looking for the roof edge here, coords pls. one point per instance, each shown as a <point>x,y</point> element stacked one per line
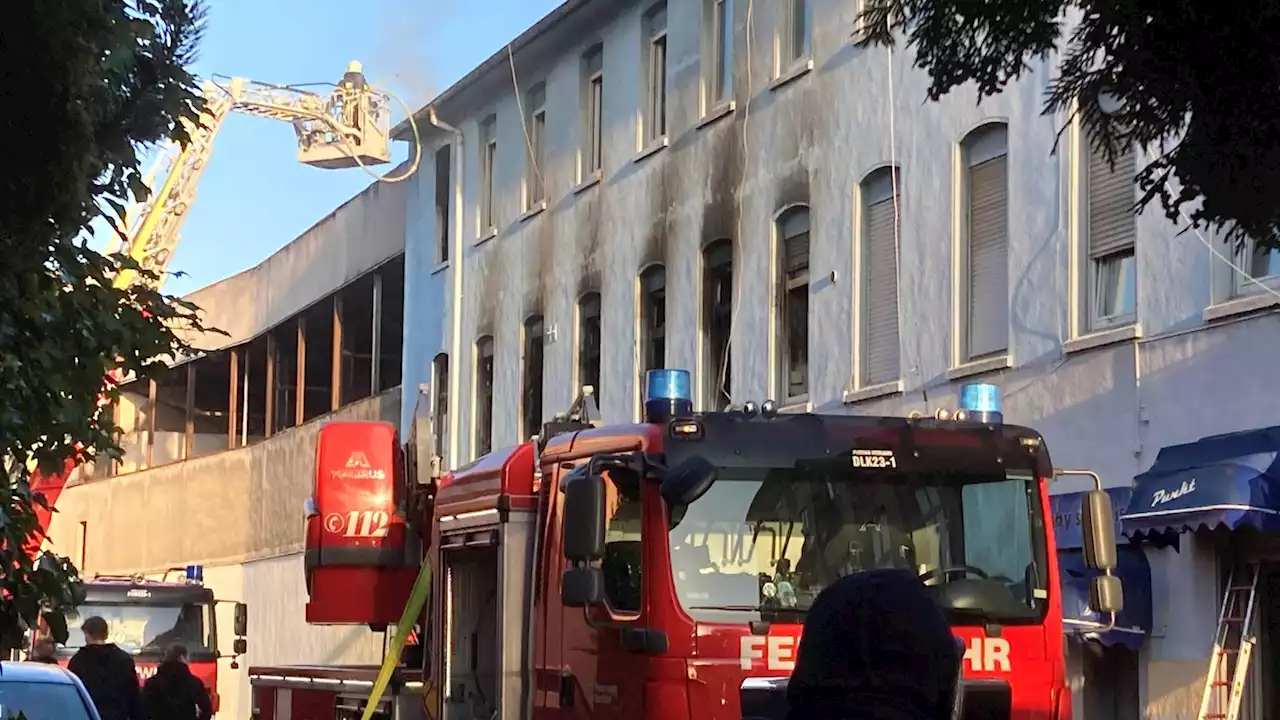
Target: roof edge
<point>403,131</point>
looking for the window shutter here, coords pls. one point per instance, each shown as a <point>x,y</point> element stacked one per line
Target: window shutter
<point>1112,224</point>
<point>797,260</point>
<point>881,355</point>
<point>988,321</point>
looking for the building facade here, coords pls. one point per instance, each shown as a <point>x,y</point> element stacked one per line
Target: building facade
<point>737,188</point>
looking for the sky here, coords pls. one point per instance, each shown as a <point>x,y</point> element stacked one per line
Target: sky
<point>254,196</point>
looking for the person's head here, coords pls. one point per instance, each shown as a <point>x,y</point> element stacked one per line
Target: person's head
<point>176,654</point>
<point>43,649</point>
<point>95,630</point>
<point>875,647</point>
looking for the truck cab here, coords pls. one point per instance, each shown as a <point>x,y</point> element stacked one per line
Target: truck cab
<point>146,616</point>
<point>665,568</point>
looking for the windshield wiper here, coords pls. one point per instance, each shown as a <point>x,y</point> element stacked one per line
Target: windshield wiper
<point>729,608</point>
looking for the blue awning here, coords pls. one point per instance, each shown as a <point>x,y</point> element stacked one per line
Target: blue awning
<point>1067,513</point>
<point>1133,623</point>
<point>1224,480</point>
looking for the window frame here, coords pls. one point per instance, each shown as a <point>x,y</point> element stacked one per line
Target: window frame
<point>488,175</point>
<point>710,395</point>
<point>789,55</point>
<point>529,342</point>
<point>482,343</point>
<point>971,144</point>
<point>440,402</point>
<point>535,181</point>
<point>1086,266</point>
<point>444,203</point>
<point>590,149</point>
<point>717,38</point>
<point>653,121</point>
<point>868,197</point>
<point>580,329</point>
<point>784,287</point>
<point>1244,258</point>
<point>650,330</point>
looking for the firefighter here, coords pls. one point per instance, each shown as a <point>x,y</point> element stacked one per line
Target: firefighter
<point>173,693</point>
<point>108,673</point>
<point>875,647</point>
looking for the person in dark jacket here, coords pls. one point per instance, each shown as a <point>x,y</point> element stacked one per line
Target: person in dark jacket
<point>108,673</point>
<point>173,693</point>
<point>875,647</point>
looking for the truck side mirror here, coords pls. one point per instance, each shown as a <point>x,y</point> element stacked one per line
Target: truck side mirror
<point>1099,529</point>
<point>240,646</point>
<point>688,481</point>
<point>309,508</point>
<point>241,623</point>
<point>584,517</point>
<point>1106,596</point>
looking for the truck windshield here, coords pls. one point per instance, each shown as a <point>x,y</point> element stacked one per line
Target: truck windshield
<point>766,541</point>
<point>145,629</point>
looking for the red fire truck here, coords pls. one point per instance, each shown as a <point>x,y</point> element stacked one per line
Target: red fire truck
<point>146,616</point>
<point>663,569</point>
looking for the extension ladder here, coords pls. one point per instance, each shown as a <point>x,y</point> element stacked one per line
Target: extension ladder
<point>1232,646</point>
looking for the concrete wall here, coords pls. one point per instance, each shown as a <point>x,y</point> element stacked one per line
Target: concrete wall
<point>235,506</point>
<point>1107,402</point>
<point>360,234</point>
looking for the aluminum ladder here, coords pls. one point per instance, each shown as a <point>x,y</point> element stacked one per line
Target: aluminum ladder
<point>1232,646</point>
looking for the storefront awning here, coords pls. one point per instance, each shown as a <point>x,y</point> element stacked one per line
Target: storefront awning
<point>1134,621</point>
<point>1224,480</point>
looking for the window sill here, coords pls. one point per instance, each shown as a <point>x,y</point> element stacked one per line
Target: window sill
<point>440,267</point>
<point>717,112</point>
<point>798,69</point>
<point>487,235</point>
<point>1241,305</point>
<point>871,392</point>
<point>1102,338</point>
<point>796,406</point>
<point>980,367</point>
<point>533,211</point>
<point>587,183</point>
<point>653,148</point>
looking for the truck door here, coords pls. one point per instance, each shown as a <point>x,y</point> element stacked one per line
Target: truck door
<point>609,682</point>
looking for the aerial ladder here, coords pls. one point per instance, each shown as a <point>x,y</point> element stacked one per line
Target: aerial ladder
<point>345,127</point>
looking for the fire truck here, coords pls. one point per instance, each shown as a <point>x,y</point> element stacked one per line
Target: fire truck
<point>146,616</point>
<point>664,569</point>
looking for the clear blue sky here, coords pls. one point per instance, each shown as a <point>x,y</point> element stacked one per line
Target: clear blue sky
<point>254,196</point>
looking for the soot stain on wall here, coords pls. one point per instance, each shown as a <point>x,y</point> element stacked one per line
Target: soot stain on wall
<point>720,213</point>
<point>588,227</point>
<point>663,189</point>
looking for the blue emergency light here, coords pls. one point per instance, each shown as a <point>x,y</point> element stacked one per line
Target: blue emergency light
<point>667,395</point>
<point>981,402</point>
<point>195,574</point>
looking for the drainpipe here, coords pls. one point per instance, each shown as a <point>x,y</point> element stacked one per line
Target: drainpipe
<point>455,274</point>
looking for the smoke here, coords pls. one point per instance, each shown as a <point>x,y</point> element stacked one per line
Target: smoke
<point>402,62</point>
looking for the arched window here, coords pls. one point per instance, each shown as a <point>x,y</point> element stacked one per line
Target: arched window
<point>793,302</point>
<point>717,314</point>
<point>984,280</point>
<point>589,342</point>
<point>483,423</point>
<point>879,353</point>
<point>531,397</point>
<point>440,401</point>
<point>653,318</point>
